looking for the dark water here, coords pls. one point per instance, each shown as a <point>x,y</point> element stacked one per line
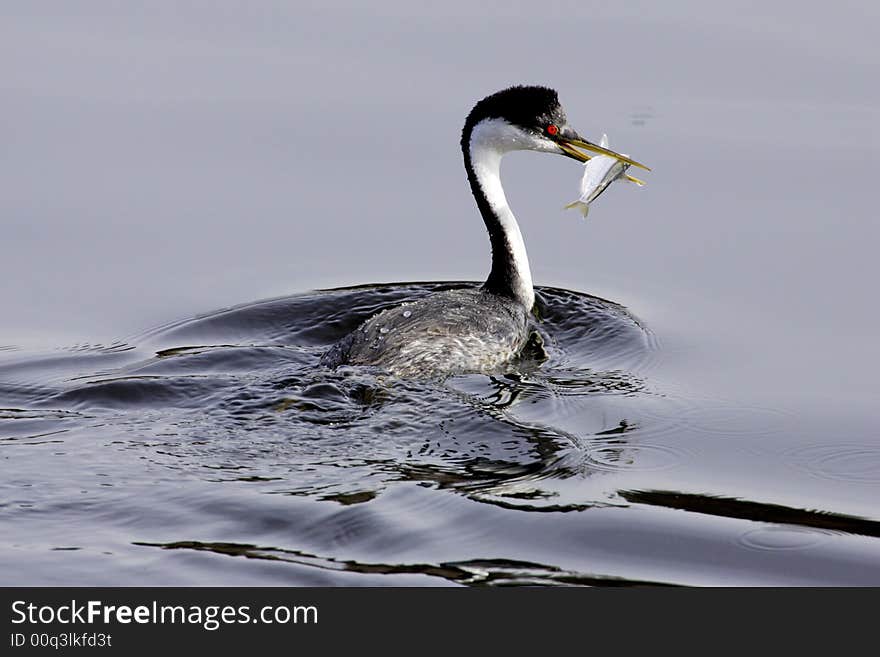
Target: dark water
<point>161,160</point>
<point>215,450</point>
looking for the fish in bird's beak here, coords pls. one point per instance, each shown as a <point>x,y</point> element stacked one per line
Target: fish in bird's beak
<point>568,139</point>
<point>599,172</point>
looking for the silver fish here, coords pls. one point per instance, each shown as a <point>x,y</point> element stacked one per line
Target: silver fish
<point>599,172</point>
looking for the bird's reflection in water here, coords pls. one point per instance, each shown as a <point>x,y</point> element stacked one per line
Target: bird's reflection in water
<point>557,454</point>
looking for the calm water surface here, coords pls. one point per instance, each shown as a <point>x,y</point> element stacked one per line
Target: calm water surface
<point>706,409</point>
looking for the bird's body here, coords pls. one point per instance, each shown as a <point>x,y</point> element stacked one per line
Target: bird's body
<point>450,332</point>
<point>475,330</point>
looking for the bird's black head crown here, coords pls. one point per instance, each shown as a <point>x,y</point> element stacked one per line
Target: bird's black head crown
<point>528,107</point>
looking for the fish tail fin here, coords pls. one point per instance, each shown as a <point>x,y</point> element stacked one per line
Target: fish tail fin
<point>583,207</point>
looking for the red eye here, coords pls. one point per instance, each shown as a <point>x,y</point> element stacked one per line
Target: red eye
<point>552,130</point>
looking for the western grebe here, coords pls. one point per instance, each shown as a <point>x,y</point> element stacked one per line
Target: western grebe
<point>482,329</point>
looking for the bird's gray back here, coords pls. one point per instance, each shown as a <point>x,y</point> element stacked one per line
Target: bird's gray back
<point>453,331</point>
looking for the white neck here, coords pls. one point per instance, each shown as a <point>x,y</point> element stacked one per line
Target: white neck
<point>489,141</point>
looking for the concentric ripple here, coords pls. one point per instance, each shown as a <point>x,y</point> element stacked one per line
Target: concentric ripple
<point>783,538</point>
<point>642,456</point>
<point>853,463</point>
<point>241,386</point>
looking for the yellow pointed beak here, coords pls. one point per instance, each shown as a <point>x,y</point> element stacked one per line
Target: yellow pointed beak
<point>568,147</point>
